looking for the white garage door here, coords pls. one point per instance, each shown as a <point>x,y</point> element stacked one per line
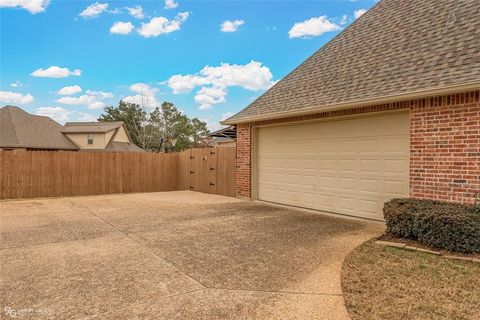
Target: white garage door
<point>349,166</point>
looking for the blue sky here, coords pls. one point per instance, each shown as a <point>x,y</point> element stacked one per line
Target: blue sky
<point>67,59</point>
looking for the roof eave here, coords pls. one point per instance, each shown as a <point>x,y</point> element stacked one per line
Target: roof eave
<point>425,93</point>
<point>11,146</point>
<point>88,131</point>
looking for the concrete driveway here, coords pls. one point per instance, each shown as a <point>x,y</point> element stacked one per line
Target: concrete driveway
<point>172,255</point>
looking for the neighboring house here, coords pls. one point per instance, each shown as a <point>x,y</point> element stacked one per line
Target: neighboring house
<point>388,108</point>
<point>100,136</point>
<point>22,130</point>
<point>219,142</point>
<point>225,137</point>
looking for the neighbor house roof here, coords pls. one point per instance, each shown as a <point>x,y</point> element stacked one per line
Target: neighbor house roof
<point>117,146</point>
<point>399,49</point>
<point>20,129</point>
<point>91,127</point>
<point>227,132</point>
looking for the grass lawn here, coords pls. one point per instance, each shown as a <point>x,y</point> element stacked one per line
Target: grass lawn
<point>388,283</point>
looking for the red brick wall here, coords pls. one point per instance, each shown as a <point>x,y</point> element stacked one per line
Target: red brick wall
<point>445,145</point>
<point>445,148</point>
<point>244,153</point>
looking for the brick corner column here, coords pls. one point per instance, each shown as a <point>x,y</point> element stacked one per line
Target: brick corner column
<point>244,161</point>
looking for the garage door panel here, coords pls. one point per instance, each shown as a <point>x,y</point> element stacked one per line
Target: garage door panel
<point>369,207</point>
<point>349,166</point>
<point>396,144</point>
<point>396,188</point>
<point>370,185</point>
<point>369,166</point>
<point>327,163</point>
<point>395,166</point>
<point>368,145</point>
<point>347,183</point>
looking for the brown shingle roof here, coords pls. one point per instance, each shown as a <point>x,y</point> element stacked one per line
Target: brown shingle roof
<point>20,129</point>
<point>123,147</point>
<point>396,48</point>
<point>86,127</point>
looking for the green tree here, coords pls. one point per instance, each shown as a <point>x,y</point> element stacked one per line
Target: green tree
<point>170,123</point>
<point>136,119</point>
<point>198,130</point>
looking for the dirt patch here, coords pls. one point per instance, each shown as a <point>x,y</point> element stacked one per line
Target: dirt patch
<point>387,283</point>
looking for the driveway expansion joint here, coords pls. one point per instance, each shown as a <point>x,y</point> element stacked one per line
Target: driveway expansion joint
<point>280,292</point>
<point>141,244</point>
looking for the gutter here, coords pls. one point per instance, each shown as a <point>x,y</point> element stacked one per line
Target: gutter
<point>358,103</point>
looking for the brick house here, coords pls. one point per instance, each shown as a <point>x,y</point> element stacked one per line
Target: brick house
<point>388,108</point>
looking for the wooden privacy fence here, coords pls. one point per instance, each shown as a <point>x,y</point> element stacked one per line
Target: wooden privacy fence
<point>209,170</point>
<point>32,174</point>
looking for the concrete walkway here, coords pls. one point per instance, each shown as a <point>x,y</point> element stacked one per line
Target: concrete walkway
<point>172,255</point>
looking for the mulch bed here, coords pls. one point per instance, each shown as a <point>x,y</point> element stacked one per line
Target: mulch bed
<point>414,243</point>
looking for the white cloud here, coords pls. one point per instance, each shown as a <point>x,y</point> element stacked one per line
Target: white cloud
<point>32,6</point>
<point>208,96</point>
<point>161,25</point>
<point>231,25</point>
<point>101,94</point>
<point>185,83</point>
<point>62,115</point>
<point>15,97</point>
<point>94,10</point>
<point>84,117</point>
<point>16,84</point>
<point>227,115</point>
<point>92,99</point>
<point>312,28</point>
<point>115,11</point>
<point>344,20</point>
<point>69,90</point>
<point>55,72</point>
<point>121,28</point>
<point>170,4</point>
<point>145,96</point>
<point>214,81</point>
<point>136,12</point>
<point>143,88</point>
<point>358,13</point>
<point>58,114</point>
<point>252,76</point>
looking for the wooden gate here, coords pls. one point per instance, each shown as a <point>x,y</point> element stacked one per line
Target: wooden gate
<point>209,170</point>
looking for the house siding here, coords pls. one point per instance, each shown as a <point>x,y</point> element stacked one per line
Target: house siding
<point>444,145</point>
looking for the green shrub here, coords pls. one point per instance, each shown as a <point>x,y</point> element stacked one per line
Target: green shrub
<point>450,226</point>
